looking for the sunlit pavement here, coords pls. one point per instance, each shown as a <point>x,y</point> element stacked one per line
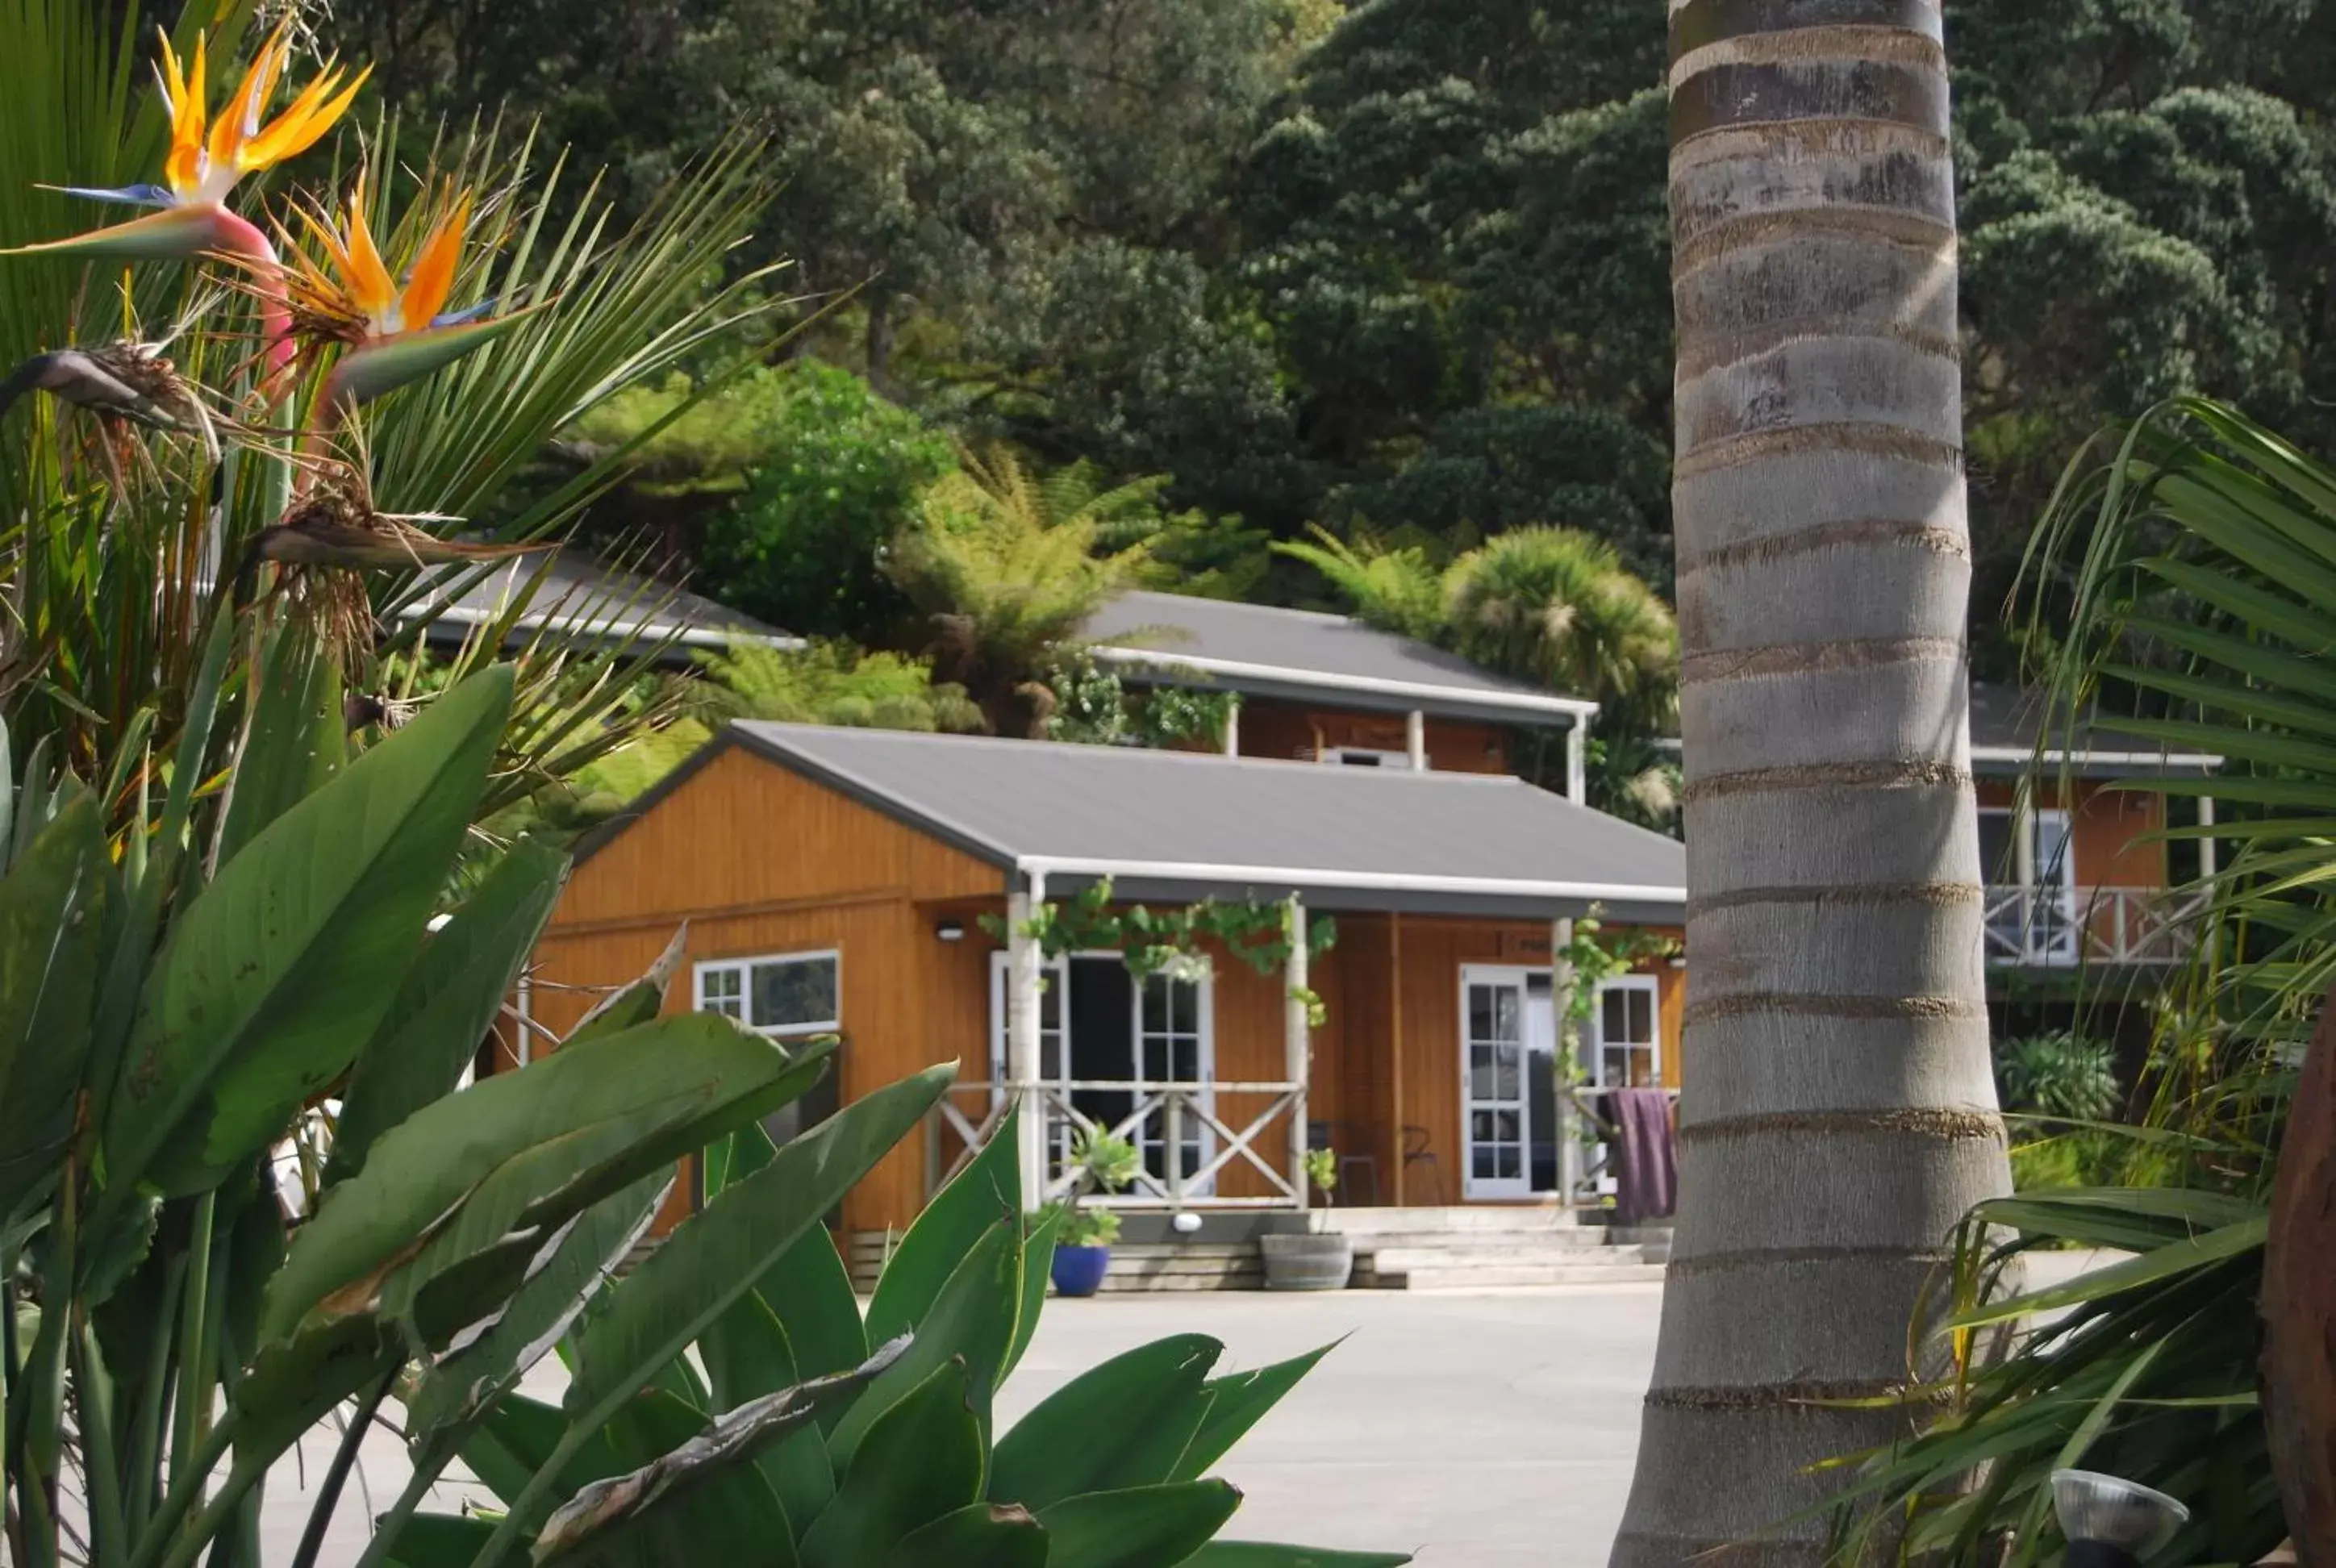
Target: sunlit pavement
<point>1483,1430</point>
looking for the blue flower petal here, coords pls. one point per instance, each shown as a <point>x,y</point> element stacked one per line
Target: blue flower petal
<point>127,196</point>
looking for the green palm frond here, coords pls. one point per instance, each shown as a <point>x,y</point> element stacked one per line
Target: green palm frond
<point>1396,589</point>
<point>1007,578</point>
<point>2183,576</point>
<point>1557,606</point>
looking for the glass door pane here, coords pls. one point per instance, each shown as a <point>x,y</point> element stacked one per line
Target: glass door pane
<point>1495,1118</point>
<point>1172,1049</point>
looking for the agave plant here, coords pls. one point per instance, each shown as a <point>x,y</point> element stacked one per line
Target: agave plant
<point>2196,559</point>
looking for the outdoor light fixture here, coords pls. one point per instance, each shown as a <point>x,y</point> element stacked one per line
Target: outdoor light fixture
<point>950,931</point>
<point>1186,1223</point>
<point>2112,1524</point>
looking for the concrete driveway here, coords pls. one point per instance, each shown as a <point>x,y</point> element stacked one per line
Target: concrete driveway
<point>1481,1430</point>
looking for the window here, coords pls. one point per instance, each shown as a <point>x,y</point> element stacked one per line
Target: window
<point>1630,1053</point>
<point>785,994</point>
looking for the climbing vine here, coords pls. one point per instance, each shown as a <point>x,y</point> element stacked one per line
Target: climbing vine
<point>1168,941</point>
<point>1592,962</point>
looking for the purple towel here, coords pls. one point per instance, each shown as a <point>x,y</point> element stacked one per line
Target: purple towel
<point>1646,1177</point>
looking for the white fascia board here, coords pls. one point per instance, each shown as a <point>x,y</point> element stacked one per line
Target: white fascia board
<point>1416,690</point>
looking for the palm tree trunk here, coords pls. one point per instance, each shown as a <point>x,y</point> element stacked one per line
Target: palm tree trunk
<point>1838,1112</point>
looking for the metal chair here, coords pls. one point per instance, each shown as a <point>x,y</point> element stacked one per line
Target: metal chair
<point>1416,1151</point>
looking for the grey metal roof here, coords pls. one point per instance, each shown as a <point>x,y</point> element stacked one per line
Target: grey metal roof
<point>1176,825</point>
<point>582,598</point>
<point>2008,723</point>
<point>1263,651</point>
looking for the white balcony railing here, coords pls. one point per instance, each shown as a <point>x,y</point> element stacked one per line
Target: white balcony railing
<point>2065,928</point>
<point>1159,1118</point>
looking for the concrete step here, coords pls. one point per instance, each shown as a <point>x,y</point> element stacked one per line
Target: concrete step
<point>1504,1218</point>
<point>1576,1239</point>
<point>1451,1278</point>
<point>1409,1260</point>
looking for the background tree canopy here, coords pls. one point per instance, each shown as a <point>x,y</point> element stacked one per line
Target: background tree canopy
<point>1404,264</point>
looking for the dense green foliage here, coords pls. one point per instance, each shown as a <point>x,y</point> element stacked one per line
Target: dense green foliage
<point>780,486</point>
<point>1407,261</point>
<point>2203,561</point>
<point>1552,607</point>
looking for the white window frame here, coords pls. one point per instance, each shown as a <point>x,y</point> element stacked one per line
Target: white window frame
<point>743,968</point>
<point>2058,939</point>
<point>1651,986</point>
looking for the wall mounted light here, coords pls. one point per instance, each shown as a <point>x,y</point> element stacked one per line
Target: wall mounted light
<point>950,931</point>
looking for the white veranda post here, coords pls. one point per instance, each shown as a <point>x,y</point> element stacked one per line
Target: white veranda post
<point>1577,760</point>
<point>1561,1007</point>
<point>1297,1040</point>
<point>1025,969</point>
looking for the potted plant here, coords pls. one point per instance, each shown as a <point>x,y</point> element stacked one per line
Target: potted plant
<point>1313,1258</point>
<point>1099,1163</point>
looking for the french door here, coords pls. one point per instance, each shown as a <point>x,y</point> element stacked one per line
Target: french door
<point>1507,1044</point>
<point>1098,1027</point>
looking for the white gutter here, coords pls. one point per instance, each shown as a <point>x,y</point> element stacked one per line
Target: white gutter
<point>646,631</point>
<point>1043,866</point>
<point>1413,690</point>
<point>2017,754</point>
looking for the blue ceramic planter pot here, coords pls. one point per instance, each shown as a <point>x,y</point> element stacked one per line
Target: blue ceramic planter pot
<point>1079,1270</point>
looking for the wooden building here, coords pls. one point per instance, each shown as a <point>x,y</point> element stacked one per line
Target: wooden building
<point>1313,687</point>
<point>853,881</point>
<point>2080,875</point>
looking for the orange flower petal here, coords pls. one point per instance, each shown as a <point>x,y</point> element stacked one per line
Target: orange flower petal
<point>305,122</point>
<point>435,265</point>
<point>184,166</point>
<point>371,288</point>
<point>239,117</point>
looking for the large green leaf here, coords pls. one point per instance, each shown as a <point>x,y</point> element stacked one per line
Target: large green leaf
<point>476,1171</point>
<point>540,1311</point>
<point>278,970</point>
<point>979,1536</point>
<point>440,1541</point>
<point>922,1459</point>
<point>715,1256</point>
<point>809,1289</point>
<point>517,1438</point>
<point>1143,1527</point>
<point>972,1321</point>
<point>297,741</point>
<point>1266,1554</point>
<point>1122,1423</point>
<point>637,1003</point>
<point>449,1000</point>
<point>956,1220</point>
<point>1037,1260</point>
<point>703,1500</point>
<point>746,1353</point>
<point>1238,1401</point>
<point>52,920</point>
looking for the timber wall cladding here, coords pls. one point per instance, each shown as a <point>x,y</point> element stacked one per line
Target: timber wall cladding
<point>1282,731</point>
<point>2110,831</point>
<point>759,861</point>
